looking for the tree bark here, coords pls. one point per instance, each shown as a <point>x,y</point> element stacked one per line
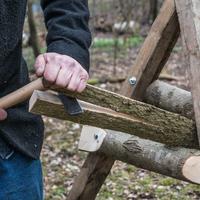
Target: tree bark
<point>161,126</point>
<point>171,98</point>
<point>179,163</point>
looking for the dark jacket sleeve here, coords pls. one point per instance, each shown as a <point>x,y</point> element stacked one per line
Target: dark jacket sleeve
<point>67,25</point>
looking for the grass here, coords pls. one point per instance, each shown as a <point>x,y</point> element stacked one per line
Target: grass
<point>133,41</point>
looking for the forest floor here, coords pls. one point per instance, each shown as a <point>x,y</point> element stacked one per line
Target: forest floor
<point>62,160</point>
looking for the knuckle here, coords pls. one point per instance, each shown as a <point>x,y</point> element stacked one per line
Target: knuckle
<point>62,59</point>
<point>58,58</point>
<point>50,57</point>
<point>39,61</point>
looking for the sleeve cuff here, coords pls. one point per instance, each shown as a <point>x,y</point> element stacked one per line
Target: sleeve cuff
<point>73,50</point>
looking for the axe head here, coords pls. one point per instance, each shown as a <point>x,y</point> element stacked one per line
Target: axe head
<point>71,105</point>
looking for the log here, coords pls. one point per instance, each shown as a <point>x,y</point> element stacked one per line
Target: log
<point>147,121</point>
<point>155,51</point>
<point>169,123</point>
<point>188,13</point>
<point>179,163</point>
<point>171,98</point>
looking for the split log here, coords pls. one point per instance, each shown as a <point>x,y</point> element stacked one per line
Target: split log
<point>171,98</point>
<point>147,121</point>
<point>188,13</point>
<point>179,163</point>
<point>155,51</point>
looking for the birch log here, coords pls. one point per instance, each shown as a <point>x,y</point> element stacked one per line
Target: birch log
<point>171,98</point>
<point>179,163</point>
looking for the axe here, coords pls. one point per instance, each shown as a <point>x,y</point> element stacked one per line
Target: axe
<point>70,103</point>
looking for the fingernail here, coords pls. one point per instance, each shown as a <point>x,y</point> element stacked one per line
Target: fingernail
<point>3,115</point>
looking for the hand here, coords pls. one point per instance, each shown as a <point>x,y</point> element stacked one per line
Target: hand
<point>62,71</point>
<point>3,114</point>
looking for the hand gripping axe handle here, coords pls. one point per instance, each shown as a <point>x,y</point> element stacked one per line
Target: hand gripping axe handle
<point>71,104</point>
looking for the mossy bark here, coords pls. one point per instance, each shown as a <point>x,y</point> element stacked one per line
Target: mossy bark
<point>154,124</point>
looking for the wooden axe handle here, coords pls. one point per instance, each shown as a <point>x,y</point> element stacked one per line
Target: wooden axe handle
<point>21,94</point>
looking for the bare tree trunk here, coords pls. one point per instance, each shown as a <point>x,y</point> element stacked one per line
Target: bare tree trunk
<point>153,12</point>
<point>33,31</point>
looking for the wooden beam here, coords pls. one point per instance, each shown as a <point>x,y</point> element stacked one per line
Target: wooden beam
<point>88,182</point>
<point>155,51</point>
<point>188,13</point>
<point>179,163</point>
<point>163,126</point>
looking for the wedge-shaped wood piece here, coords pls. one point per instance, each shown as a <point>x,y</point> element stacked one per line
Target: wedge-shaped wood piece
<point>179,163</point>
<point>164,127</point>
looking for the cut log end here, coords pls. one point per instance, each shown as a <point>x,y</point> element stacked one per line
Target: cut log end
<point>91,138</point>
<point>191,169</point>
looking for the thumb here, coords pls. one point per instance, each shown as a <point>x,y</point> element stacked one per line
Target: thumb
<point>3,114</point>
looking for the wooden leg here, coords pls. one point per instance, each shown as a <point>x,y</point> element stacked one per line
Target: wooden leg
<point>166,28</point>
<point>92,176</point>
<point>155,51</point>
<point>188,13</point>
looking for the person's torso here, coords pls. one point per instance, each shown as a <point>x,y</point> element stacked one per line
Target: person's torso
<point>12,16</point>
<point>21,129</point>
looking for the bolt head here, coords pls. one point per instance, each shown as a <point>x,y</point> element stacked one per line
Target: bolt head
<point>96,136</point>
<point>132,80</point>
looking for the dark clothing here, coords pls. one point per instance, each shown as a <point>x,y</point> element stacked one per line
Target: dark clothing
<point>68,33</point>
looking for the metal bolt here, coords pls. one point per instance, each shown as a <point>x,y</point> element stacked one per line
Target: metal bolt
<point>96,136</point>
<point>132,80</point>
